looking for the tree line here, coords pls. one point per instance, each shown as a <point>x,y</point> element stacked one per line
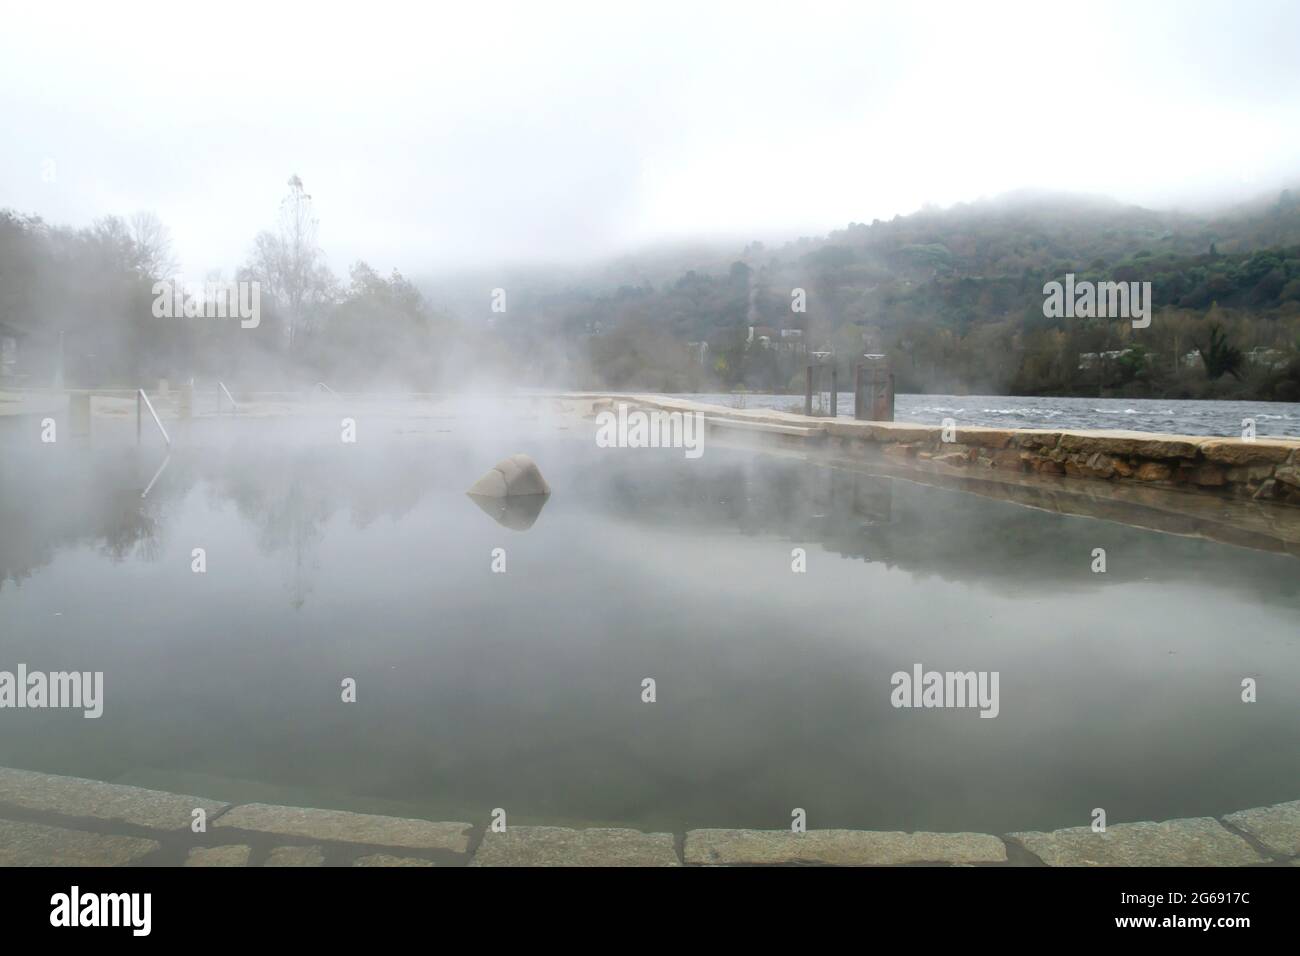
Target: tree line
<point>953,297</point>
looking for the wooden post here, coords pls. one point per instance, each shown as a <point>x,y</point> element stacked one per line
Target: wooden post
<point>807,393</point>
<point>882,403</point>
<point>873,393</point>
<point>835,392</point>
<point>885,412</point>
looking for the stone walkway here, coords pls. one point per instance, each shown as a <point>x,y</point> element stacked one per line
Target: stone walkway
<point>48,820</point>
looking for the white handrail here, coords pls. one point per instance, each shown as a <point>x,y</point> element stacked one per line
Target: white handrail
<point>156,475</point>
<point>140,395</point>
<point>234,406</point>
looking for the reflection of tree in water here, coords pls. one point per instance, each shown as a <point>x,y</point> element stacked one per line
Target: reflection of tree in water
<point>290,516</point>
<point>288,501</point>
<point>291,497</point>
<point>133,526</point>
<point>50,503</point>
<point>923,530</point>
<point>791,500</point>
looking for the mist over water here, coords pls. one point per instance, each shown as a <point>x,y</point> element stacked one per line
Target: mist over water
<point>478,689</point>
<point>317,328</point>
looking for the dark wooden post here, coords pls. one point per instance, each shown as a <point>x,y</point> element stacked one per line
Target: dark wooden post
<point>807,393</point>
<point>835,393</point>
<point>873,393</point>
<point>882,398</point>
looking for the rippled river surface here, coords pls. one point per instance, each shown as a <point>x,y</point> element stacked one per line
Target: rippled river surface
<point>524,689</point>
<point>1000,411</point>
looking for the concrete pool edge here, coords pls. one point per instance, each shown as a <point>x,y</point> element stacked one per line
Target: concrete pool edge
<point>52,820</point>
<point>1230,514</point>
<point>1265,469</point>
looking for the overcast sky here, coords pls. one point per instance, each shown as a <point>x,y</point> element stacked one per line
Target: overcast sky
<point>434,136</point>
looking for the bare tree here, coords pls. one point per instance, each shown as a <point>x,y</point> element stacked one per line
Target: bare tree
<point>153,244</point>
<point>289,263</point>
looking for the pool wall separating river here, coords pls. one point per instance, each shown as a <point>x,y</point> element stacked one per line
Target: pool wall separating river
<point>1262,469</point>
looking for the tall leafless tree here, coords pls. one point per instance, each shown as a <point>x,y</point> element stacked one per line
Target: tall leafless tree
<point>289,263</point>
<point>153,244</point>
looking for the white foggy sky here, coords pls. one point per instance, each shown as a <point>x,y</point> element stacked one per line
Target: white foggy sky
<point>435,136</point>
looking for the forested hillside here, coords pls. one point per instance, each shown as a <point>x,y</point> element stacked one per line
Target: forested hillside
<point>955,298</point>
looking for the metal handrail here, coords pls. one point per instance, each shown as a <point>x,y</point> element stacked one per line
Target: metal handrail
<point>156,475</point>
<point>141,396</point>
<point>327,388</point>
<point>234,406</point>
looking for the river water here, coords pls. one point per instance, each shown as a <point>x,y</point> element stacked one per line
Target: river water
<point>1281,419</point>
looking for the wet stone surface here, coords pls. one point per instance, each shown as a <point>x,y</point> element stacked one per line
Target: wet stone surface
<point>1198,841</point>
<point>385,859</point>
<point>347,827</point>
<point>34,844</point>
<point>236,855</point>
<point>1276,827</point>
<point>561,846</point>
<point>840,847</point>
<point>75,797</point>
<point>296,856</point>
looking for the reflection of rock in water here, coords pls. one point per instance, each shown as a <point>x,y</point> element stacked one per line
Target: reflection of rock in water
<point>513,492</point>
<point>517,512</point>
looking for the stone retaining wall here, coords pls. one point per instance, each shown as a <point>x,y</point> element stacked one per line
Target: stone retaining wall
<point>48,820</point>
<point>1266,469</point>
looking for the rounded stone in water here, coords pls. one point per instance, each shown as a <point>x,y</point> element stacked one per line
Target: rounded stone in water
<point>516,475</point>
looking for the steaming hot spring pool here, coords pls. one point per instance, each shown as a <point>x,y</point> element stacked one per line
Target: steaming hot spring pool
<point>523,690</point>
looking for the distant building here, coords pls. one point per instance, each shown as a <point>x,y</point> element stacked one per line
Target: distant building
<point>1269,358</point>
<point>1089,360</point>
<point>10,339</point>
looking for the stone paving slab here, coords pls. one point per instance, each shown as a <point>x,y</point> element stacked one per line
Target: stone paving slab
<point>75,797</point>
<point>1277,827</point>
<point>347,827</point>
<point>1197,841</point>
<point>296,856</point>
<point>218,856</point>
<point>384,859</point>
<point>840,847</point>
<point>34,844</point>
<point>562,846</point>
